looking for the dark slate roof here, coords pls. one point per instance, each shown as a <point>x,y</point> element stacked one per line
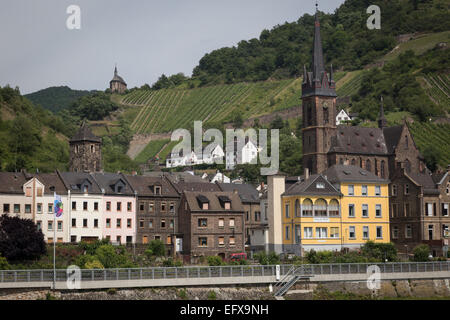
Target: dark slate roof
<point>183,181</point>
<point>437,177</point>
<point>106,181</point>
<point>422,179</point>
<point>309,187</point>
<point>52,182</point>
<point>12,182</point>
<point>142,184</point>
<point>247,193</point>
<point>214,203</point>
<point>392,136</point>
<point>348,173</point>
<point>117,78</point>
<point>72,181</point>
<point>359,140</point>
<point>85,134</point>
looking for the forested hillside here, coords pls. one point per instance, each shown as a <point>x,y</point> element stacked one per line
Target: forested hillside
<point>347,42</point>
<point>31,137</point>
<point>56,98</point>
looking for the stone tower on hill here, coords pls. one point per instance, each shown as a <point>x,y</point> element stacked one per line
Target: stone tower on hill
<point>85,151</point>
<point>117,84</point>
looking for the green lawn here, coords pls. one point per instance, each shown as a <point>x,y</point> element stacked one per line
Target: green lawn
<point>151,150</point>
<point>419,45</point>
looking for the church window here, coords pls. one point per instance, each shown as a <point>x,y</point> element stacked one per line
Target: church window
<point>309,115</point>
<point>76,149</point>
<point>407,165</point>
<point>382,169</point>
<point>325,114</point>
<point>92,148</point>
<point>368,165</point>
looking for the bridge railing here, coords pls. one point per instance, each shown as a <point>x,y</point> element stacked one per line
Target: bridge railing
<point>219,271</point>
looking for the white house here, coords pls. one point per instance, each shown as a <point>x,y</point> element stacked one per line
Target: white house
<point>344,116</point>
<point>85,206</point>
<point>247,154</point>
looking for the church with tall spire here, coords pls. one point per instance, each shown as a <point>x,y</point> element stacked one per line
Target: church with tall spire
<point>379,150</point>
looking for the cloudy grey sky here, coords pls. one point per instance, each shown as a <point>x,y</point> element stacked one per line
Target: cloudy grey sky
<point>144,37</point>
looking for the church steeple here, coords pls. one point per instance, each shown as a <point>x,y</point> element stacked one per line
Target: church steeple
<point>317,58</point>
<point>318,107</point>
<point>318,81</point>
<point>382,122</point>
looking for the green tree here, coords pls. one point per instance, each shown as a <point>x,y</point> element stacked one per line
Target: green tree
<point>156,248</point>
<point>421,253</point>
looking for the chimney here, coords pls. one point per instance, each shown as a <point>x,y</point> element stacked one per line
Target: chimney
<point>306,173</point>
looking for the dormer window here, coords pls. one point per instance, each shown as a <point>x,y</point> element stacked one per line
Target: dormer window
<point>225,202</point>
<point>203,202</point>
<point>157,190</point>
<point>85,189</point>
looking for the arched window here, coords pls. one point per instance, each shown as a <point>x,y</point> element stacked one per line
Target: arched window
<point>309,115</point>
<point>307,207</point>
<point>320,208</point>
<point>297,208</point>
<point>407,165</point>
<point>333,208</point>
<point>368,165</point>
<point>382,169</point>
<point>326,116</point>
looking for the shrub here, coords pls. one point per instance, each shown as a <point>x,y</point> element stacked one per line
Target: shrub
<point>94,264</point>
<point>265,259</point>
<point>110,257</point>
<point>156,248</point>
<point>214,261</point>
<point>4,265</point>
<point>182,294</point>
<point>212,295</point>
<point>379,251</point>
<point>421,252</point>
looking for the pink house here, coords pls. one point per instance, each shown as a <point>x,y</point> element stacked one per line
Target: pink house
<point>119,208</point>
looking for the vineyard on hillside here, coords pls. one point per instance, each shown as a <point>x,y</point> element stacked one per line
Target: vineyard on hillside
<point>428,134</point>
<point>152,111</point>
<point>437,87</point>
<point>349,84</point>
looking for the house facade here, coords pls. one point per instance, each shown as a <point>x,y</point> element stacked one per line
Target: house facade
<point>119,208</point>
<point>311,216</point>
<point>157,204</point>
<point>85,206</point>
<point>29,196</point>
<point>419,210</point>
<point>212,223</point>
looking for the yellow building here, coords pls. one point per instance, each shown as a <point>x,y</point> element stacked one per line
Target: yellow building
<point>341,208</point>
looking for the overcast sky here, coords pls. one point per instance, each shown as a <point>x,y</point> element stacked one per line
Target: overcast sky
<point>144,37</point>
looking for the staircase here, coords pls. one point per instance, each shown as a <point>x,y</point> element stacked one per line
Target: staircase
<point>290,278</point>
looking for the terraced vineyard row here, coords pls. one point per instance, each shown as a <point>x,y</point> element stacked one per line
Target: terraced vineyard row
<point>438,88</point>
<point>426,134</point>
<point>167,109</point>
<point>350,86</point>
